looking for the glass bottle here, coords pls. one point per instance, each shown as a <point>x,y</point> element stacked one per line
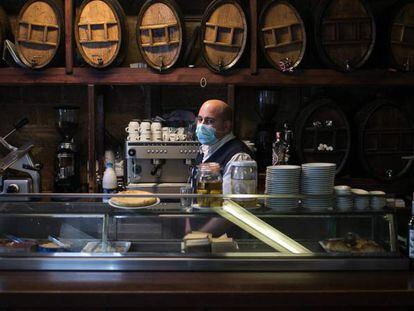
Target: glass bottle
<point>410,238</point>
<point>244,181</point>
<point>288,138</point>
<point>109,181</point>
<point>279,149</point>
<point>209,181</point>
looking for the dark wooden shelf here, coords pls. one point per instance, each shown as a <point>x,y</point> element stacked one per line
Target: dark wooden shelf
<point>333,152</point>
<point>325,129</point>
<point>192,76</point>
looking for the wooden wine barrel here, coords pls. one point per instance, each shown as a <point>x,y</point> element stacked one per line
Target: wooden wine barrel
<point>385,135</point>
<point>345,33</point>
<point>5,29</point>
<point>313,128</point>
<point>282,34</point>
<point>401,39</point>
<point>101,33</point>
<point>39,33</point>
<point>223,34</point>
<point>160,33</point>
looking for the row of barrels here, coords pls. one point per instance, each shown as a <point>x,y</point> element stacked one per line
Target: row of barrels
<point>384,135</point>
<point>345,33</point>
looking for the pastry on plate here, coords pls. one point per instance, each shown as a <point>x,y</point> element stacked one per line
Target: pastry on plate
<point>361,246</point>
<point>134,201</point>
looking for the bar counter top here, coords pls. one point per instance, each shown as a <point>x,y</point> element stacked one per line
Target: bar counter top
<point>205,290</point>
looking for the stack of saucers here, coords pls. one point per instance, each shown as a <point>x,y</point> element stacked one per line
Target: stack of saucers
<point>378,200</point>
<point>318,179</point>
<point>361,199</point>
<point>282,179</point>
<point>343,198</point>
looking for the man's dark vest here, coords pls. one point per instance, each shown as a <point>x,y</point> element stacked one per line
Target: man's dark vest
<point>223,154</point>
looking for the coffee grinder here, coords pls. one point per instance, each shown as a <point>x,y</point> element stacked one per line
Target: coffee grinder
<point>67,168</point>
<point>266,108</point>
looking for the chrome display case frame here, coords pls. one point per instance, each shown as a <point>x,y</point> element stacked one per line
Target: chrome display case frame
<point>171,257</point>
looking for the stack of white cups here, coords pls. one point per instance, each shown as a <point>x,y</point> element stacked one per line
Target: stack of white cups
<point>343,198</point>
<point>378,200</point>
<point>145,130</point>
<point>361,199</point>
<point>133,130</point>
<point>165,133</point>
<point>156,131</point>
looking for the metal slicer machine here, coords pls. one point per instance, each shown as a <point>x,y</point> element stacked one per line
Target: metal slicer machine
<point>18,160</point>
<point>161,167</point>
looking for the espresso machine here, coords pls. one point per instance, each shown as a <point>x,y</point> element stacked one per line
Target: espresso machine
<point>67,168</point>
<point>18,172</point>
<point>161,167</point>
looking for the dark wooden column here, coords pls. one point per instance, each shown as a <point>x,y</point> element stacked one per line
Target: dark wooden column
<point>92,184</point>
<point>231,100</point>
<point>100,130</point>
<point>68,36</point>
<point>253,36</point>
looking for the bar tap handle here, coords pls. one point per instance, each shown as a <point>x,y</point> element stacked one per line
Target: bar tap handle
<point>21,123</point>
<point>17,126</point>
<point>156,169</point>
<point>37,167</point>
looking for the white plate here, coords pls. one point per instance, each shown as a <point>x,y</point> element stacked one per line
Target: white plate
<point>133,207</point>
<point>284,167</point>
<point>318,164</point>
<point>201,208</point>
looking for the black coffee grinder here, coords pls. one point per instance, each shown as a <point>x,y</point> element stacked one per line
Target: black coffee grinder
<point>67,167</point>
<point>266,108</point>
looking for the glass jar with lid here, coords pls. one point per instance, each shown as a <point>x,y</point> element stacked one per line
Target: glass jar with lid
<point>244,181</point>
<point>209,181</point>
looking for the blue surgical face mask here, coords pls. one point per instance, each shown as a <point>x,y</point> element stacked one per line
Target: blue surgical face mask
<point>206,134</point>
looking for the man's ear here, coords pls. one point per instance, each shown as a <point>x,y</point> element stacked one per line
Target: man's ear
<point>228,126</point>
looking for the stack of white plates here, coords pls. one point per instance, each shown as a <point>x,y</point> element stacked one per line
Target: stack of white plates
<point>378,200</point>
<point>282,179</point>
<point>343,198</point>
<point>361,199</point>
<point>318,179</point>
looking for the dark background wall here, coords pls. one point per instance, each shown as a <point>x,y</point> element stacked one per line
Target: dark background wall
<point>123,103</point>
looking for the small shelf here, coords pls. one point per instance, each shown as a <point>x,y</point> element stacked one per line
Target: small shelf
<point>389,131</point>
<point>334,152</point>
<point>388,152</point>
<point>192,76</point>
<point>325,129</point>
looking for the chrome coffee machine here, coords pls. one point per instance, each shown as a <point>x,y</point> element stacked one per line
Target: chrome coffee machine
<point>67,166</point>
<point>18,172</point>
<point>159,166</point>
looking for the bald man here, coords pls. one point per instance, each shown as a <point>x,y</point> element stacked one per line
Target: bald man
<point>218,144</point>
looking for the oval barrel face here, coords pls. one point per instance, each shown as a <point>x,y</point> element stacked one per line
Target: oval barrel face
<point>282,35</point>
<point>347,34</point>
<point>99,32</point>
<point>224,34</point>
<point>385,136</point>
<point>160,34</point>
<point>4,27</point>
<point>39,33</point>
<point>402,38</point>
<point>323,134</point>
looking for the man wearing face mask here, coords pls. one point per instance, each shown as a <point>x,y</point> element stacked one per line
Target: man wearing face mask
<point>218,144</point>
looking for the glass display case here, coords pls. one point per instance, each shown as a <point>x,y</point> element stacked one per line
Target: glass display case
<point>79,232</point>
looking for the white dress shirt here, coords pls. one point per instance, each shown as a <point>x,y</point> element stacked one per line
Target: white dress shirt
<point>209,150</point>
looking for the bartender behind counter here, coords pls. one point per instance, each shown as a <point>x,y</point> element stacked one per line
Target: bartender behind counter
<point>218,144</point>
